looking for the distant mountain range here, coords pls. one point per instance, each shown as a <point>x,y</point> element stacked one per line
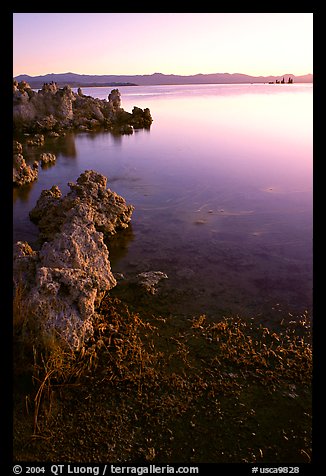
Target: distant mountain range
<point>87,80</point>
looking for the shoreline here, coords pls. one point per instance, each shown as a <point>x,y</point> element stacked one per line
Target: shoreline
<point>178,273</point>
<point>152,389</point>
<point>148,384</point>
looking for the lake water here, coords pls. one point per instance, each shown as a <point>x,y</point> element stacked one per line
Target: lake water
<point>222,189</point>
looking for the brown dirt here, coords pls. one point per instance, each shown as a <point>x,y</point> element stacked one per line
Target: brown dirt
<point>162,389</point>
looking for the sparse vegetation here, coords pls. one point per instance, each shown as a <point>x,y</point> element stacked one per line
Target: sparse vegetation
<point>150,388</point>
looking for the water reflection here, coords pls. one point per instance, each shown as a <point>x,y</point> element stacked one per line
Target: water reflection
<point>222,189</point>
<point>22,193</point>
<point>117,139</point>
<point>65,145</point>
<point>118,244</point>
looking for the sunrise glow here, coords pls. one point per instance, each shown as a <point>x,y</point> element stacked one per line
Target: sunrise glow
<point>169,43</point>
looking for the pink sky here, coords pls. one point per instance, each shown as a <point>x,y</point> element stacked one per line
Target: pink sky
<point>170,43</point>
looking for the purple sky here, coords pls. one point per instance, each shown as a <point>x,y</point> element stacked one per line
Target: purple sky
<point>177,43</point>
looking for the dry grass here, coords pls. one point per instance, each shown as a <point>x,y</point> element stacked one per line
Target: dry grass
<point>258,350</point>
<point>43,358</point>
<point>168,394</point>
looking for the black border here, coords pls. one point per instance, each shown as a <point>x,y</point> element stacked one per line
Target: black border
<point>6,450</point>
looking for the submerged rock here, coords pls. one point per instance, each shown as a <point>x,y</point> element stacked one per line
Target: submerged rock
<point>67,278</point>
<point>150,279</point>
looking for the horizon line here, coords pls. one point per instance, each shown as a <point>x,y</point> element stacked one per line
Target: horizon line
<point>158,73</point>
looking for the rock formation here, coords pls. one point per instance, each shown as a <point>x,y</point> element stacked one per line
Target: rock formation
<point>107,210</point>
<point>52,110</point>
<point>46,158</point>
<point>22,172</point>
<point>56,109</point>
<point>66,279</point>
<point>36,140</point>
<point>149,280</point>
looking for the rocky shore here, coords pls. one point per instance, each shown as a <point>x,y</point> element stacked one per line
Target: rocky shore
<point>62,282</point>
<point>98,376</point>
<point>22,172</point>
<point>67,277</point>
<point>164,389</point>
<point>53,109</point>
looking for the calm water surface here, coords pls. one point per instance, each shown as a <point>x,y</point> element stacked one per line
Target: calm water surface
<point>222,189</point>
